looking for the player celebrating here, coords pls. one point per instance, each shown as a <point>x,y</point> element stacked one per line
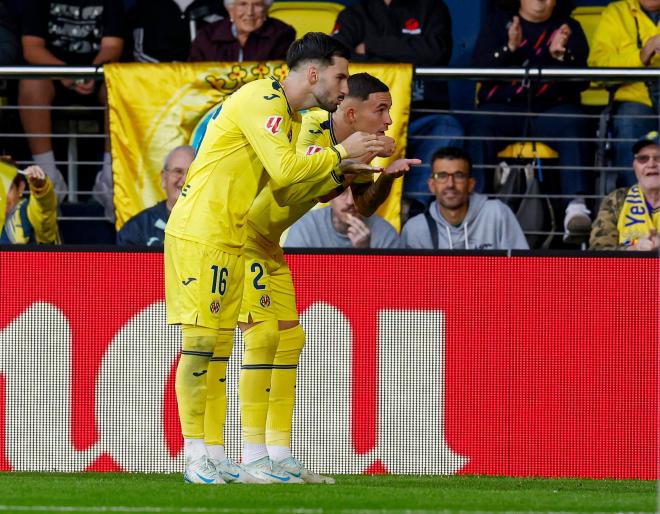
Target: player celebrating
<point>273,337</point>
<point>247,142</point>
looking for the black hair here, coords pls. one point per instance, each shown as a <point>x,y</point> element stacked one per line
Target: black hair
<point>452,153</point>
<point>18,180</point>
<point>361,85</point>
<point>562,9</point>
<point>315,46</point>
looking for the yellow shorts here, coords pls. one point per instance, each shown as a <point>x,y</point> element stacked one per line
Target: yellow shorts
<point>268,290</point>
<point>203,285</point>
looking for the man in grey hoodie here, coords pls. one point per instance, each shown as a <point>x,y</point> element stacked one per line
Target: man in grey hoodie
<point>459,219</point>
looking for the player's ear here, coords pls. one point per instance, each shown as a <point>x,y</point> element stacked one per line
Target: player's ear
<point>312,74</point>
<point>163,182</point>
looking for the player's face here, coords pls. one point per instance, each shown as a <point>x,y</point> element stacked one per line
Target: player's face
<point>343,206</point>
<point>647,169</point>
<point>174,176</point>
<point>451,183</point>
<point>373,115</point>
<point>332,84</point>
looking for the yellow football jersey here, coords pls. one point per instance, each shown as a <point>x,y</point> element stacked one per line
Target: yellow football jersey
<point>248,142</point>
<point>267,220</point>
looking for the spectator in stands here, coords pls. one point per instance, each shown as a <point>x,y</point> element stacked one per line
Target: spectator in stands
<point>31,210</point>
<point>459,218</point>
<point>539,33</point>
<point>164,29</point>
<point>248,35</point>
<point>341,226</point>
<point>629,218</point>
<point>147,228</point>
<point>65,33</point>
<point>9,45</point>
<point>628,36</point>
<point>418,32</point>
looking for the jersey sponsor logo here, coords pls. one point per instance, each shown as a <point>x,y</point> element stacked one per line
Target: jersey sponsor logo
<point>411,26</point>
<point>214,307</point>
<point>312,149</point>
<point>265,301</point>
<point>273,124</point>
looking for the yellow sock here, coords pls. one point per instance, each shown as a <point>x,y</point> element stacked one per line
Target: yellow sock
<point>216,393</point>
<point>254,383</point>
<point>283,387</point>
<point>190,384</point>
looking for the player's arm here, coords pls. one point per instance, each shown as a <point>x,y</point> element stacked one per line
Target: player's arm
<point>369,196</point>
<point>271,144</point>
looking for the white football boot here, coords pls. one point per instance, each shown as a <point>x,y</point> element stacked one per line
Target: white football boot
<point>295,468</point>
<point>202,471</point>
<point>266,470</point>
<point>233,473</point>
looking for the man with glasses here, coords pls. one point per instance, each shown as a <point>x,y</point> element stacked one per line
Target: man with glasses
<point>629,218</point>
<point>460,219</point>
<point>147,228</point>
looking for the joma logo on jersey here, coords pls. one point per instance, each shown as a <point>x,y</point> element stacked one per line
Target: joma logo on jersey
<point>273,124</point>
<point>312,149</point>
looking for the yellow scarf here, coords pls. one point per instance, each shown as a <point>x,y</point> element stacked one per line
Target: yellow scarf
<point>635,221</point>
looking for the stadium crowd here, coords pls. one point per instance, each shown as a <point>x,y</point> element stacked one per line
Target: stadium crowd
<point>445,202</point>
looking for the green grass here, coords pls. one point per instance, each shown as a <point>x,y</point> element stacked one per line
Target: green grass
<point>383,494</point>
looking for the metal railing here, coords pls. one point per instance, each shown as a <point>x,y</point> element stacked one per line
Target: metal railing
<point>600,75</point>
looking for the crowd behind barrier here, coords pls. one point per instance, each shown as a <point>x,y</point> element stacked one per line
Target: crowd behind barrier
<point>542,138</point>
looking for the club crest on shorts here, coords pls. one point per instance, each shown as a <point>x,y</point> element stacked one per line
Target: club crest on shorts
<point>214,307</point>
<point>273,124</point>
<point>265,301</point>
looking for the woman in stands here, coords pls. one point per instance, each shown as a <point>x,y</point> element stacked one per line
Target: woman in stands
<point>248,35</point>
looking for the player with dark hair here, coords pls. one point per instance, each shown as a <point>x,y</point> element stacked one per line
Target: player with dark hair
<point>273,336</point>
<point>249,141</point>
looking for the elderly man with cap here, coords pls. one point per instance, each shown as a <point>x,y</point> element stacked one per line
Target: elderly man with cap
<point>629,218</point>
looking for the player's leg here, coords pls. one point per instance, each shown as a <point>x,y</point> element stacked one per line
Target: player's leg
<point>203,291</point>
<point>258,323</point>
<point>283,379</point>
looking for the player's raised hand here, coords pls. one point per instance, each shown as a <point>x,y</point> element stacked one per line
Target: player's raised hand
<point>400,167</point>
<point>360,143</point>
<point>390,146</point>
<point>358,232</point>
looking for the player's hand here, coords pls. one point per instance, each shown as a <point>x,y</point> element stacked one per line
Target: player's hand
<point>558,42</point>
<point>390,146</point>
<point>35,176</point>
<point>356,167</point>
<point>361,49</point>
<point>515,34</point>
<point>399,167</point>
<point>360,143</point>
<point>358,232</point>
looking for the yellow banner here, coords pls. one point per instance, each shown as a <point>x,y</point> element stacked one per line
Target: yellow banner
<point>156,107</point>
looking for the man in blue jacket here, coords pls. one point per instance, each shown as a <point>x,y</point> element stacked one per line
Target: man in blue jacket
<point>147,228</point>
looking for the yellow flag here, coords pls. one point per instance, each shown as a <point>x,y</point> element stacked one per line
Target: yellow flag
<point>7,174</point>
<point>156,107</point>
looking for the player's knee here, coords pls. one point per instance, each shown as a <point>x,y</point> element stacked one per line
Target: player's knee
<point>199,339</point>
<point>292,342</point>
<point>261,342</point>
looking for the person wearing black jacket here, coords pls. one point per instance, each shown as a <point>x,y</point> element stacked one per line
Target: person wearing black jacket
<point>164,29</point>
<point>414,31</point>
<point>539,33</point>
